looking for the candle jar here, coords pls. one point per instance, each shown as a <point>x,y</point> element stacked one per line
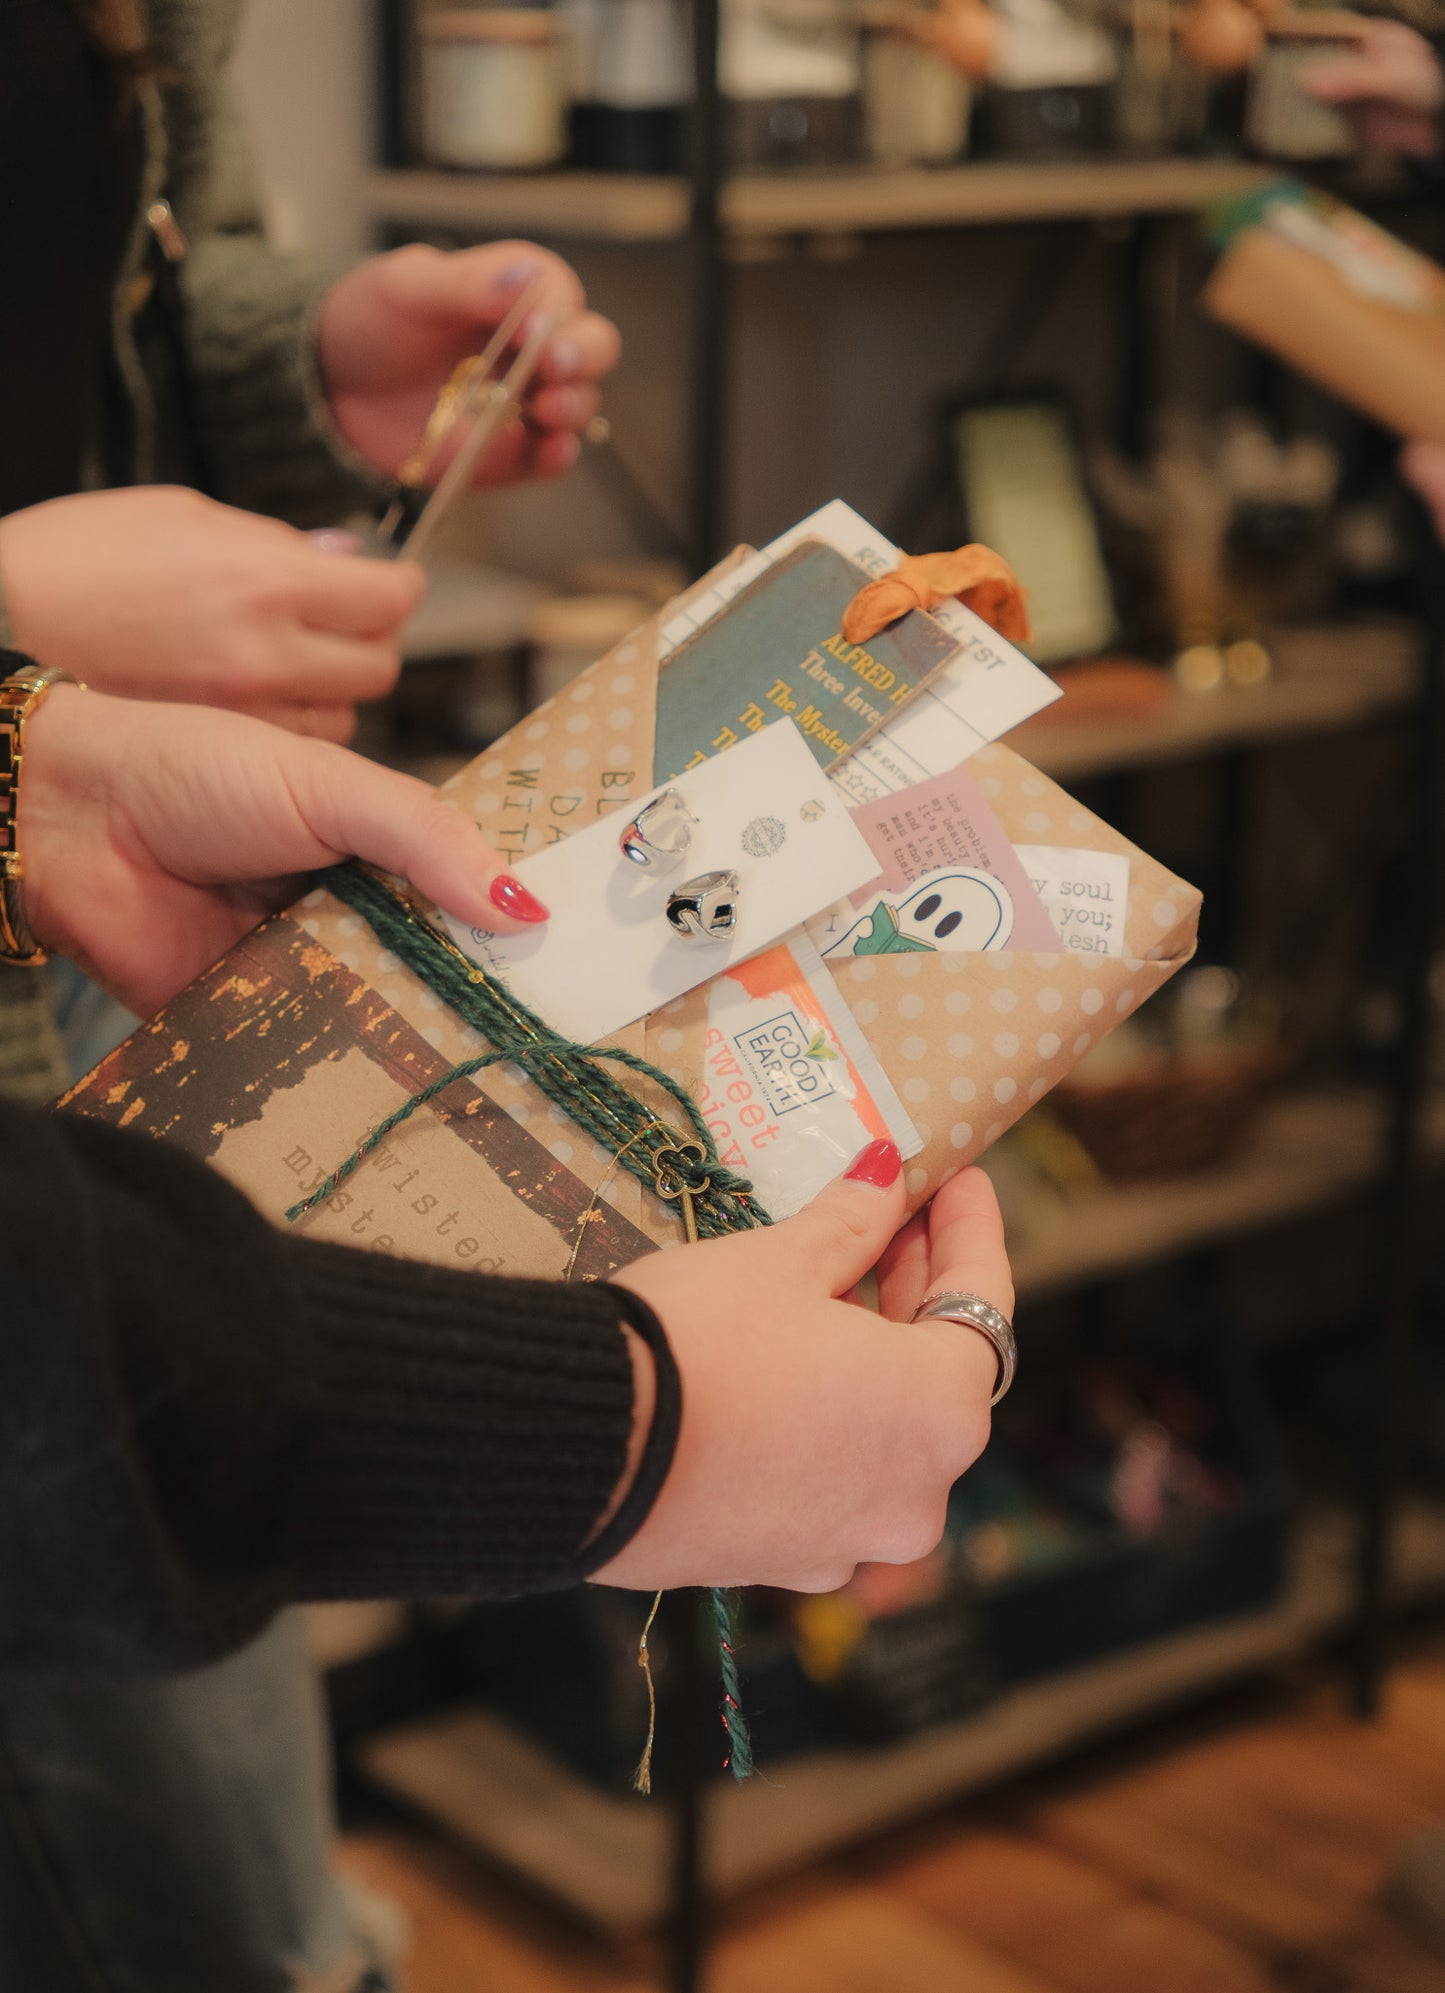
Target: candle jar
<point>791,72</point>
<point>492,88</point>
<point>916,105</point>
<point>1282,120</point>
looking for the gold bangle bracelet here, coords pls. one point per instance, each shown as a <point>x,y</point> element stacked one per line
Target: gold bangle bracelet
<point>20,694</point>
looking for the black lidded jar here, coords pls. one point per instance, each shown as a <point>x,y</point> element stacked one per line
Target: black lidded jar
<point>630,74</point>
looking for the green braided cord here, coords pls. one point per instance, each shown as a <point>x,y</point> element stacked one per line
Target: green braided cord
<point>573,1077</point>
<point>570,1075</point>
<point>329,1185</point>
<point>735,1723</point>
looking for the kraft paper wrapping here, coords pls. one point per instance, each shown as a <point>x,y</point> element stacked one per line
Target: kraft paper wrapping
<point>278,1060</point>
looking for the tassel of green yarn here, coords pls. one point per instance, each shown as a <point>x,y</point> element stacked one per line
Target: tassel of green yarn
<point>575,1079</point>
<point>735,1723</point>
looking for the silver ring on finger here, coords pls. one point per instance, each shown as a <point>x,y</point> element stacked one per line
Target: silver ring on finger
<point>971,1311</point>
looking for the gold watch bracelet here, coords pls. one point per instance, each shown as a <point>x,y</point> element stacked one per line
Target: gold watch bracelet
<point>20,695</point>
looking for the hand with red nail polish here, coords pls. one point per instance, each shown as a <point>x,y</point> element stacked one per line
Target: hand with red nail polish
<point>155,836</point>
<point>817,1434</point>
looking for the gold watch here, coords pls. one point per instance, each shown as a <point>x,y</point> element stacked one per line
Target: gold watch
<point>20,694</point>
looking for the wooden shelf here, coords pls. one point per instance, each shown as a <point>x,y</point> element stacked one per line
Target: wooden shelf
<point>970,196</point>
<point>580,207</point>
<point>618,207</point>
<point>1326,680</point>
<point>1312,1151</point>
<point>607,1856</point>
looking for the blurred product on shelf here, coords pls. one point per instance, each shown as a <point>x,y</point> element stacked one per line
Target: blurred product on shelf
<point>1161,103</point>
<point>1023,490</point>
<point>1229,529</point>
<point>1136,1492</point>
<point>965,33</point>
<point>917,102</point>
<point>1051,82</point>
<point>1181,1087</point>
<point>492,88</point>
<point>1282,119</point>
<point>1222,36</point>
<point>629,71</point>
<point>791,72</point>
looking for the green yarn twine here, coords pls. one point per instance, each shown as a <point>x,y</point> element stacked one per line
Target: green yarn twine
<point>735,1724</point>
<point>681,1169</point>
<point>572,1076</point>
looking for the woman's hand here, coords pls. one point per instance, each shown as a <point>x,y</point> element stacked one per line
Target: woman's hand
<point>158,593</point>
<point>154,837</point>
<point>391,333</point>
<point>817,1435</point>
<point>1390,83</point>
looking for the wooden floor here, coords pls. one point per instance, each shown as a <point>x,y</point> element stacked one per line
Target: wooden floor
<point>1241,1850</point>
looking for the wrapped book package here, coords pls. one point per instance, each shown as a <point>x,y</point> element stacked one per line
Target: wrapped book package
<point>282,1058</point>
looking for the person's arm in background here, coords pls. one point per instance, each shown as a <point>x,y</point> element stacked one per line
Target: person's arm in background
<point>315,385</point>
<point>1391,84</point>
<point>157,592</point>
<point>311,389</point>
<point>205,1418</point>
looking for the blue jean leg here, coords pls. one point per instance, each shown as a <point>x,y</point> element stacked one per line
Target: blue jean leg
<point>174,1836</point>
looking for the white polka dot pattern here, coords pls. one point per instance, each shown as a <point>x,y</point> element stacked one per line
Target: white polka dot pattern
<point>1070,999</point>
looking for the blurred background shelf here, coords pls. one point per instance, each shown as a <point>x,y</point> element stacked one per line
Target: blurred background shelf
<point>1312,1150</point>
<point>621,207</point>
<point>606,1856</point>
<point>1325,681</point>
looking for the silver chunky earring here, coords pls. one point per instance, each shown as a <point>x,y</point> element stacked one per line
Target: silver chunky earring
<point>659,834</point>
<point>705,908</point>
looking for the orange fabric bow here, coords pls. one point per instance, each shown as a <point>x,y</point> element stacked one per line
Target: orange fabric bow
<point>976,575</point>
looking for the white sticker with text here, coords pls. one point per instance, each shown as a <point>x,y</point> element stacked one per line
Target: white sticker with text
<point>1085,892</point>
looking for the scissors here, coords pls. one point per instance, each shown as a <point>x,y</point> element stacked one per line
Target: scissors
<point>467,414</point>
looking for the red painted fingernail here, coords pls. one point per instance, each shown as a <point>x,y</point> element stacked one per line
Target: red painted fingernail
<point>511,896</point>
<point>878,1164</point>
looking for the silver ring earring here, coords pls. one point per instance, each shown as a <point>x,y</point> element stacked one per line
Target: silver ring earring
<point>659,834</point>
<point>705,908</point>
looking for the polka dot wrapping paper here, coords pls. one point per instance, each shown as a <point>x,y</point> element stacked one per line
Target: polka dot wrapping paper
<point>971,1041</point>
<point>278,1061</point>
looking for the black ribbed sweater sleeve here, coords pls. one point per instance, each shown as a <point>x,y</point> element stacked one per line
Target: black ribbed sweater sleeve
<point>203,1419</point>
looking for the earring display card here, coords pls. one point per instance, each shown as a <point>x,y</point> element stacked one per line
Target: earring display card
<point>608,956</point>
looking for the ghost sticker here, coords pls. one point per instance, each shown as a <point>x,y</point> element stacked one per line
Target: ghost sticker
<point>953,911</point>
